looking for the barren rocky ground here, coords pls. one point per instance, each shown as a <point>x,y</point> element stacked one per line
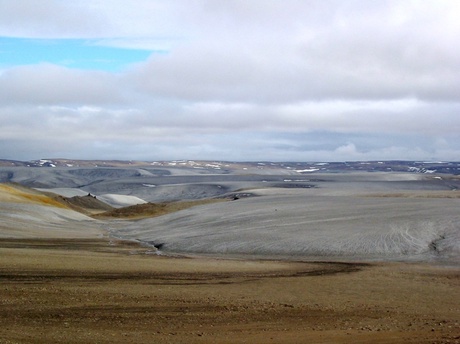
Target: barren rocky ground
<point>334,258</point>
<point>74,291</point>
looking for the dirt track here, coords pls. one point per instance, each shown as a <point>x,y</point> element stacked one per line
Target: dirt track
<point>81,291</point>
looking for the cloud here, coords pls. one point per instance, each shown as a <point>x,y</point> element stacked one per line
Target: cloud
<point>239,80</point>
<point>95,19</point>
<point>151,44</point>
<point>49,19</point>
<point>313,63</point>
<point>46,84</point>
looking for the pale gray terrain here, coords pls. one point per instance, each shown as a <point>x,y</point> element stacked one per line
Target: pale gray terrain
<point>37,221</point>
<point>310,223</point>
<point>270,213</point>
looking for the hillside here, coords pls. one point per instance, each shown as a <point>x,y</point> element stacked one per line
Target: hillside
<point>146,210</point>
<point>16,193</point>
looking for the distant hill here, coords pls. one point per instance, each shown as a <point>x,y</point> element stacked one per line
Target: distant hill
<point>449,167</point>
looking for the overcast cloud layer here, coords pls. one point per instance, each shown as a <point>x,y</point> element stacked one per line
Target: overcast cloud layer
<point>237,80</point>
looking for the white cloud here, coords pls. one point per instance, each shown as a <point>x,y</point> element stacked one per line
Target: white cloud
<point>151,44</point>
<point>272,80</point>
<point>49,19</point>
<point>50,84</point>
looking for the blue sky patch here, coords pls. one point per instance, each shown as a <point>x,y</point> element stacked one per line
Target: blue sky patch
<point>71,53</point>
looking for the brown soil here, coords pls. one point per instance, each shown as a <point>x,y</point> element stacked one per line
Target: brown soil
<point>85,204</point>
<point>96,291</point>
<point>418,194</point>
<point>140,211</point>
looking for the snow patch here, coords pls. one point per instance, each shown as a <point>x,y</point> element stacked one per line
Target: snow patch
<point>307,170</point>
<point>116,200</point>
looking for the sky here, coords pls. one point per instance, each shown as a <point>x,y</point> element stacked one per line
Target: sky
<point>230,80</point>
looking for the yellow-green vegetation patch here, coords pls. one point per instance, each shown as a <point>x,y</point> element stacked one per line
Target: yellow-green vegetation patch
<point>21,194</point>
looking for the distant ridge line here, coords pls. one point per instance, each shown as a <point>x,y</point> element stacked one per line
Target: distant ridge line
<point>445,167</point>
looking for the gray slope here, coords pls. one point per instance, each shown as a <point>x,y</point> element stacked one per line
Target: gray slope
<point>22,220</point>
<point>298,224</point>
<point>288,218</point>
